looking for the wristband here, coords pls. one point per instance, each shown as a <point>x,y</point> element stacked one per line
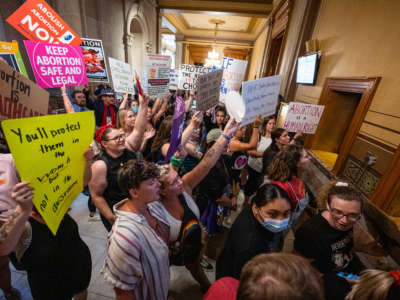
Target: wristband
<point>228,138</point>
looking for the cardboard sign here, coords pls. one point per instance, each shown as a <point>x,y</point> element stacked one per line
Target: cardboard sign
<point>189,74</point>
<point>55,164</point>
<point>260,97</point>
<point>9,52</point>
<point>37,21</point>
<point>20,97</point>
<point>122,76</point>
<point>208,88</point>
<point>95,62</point>
<point>157,68</point>
<point>234,71</point>
<point>303,116</point>
<point>55,65</point>
<point>144,81</point>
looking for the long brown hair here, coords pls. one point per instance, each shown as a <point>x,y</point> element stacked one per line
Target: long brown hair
<point>163,134</point>
<point>284,165</point>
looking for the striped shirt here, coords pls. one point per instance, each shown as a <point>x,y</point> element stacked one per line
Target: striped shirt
<point>137,258</point>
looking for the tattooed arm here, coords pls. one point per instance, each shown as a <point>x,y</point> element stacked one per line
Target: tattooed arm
<point>12,229</point>
<point>194,177</point>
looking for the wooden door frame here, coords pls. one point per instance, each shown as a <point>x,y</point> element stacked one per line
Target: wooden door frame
<point>366,86</point>
<point>389,184</point>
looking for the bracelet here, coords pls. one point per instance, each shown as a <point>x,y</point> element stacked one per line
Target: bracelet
<point>228,138</point>
<point>63,94</point>
<point>258,127</point>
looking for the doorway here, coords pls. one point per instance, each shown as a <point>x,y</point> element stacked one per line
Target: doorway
<point>137,47</point>
<point>346,102</point>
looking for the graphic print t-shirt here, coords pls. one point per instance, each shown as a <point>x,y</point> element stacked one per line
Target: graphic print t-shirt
<point>329,248</point>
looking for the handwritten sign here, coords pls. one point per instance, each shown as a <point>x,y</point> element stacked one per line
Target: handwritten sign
<point>20,97</point>
<point>189,74</point>
<point>37,21</point>
<point>208,88</point>
<point>260,97</point>
<point>9,52</point>
<point>157,69</point>
<point>55,65</point>
<point>173,79</point>
<point>93,54</point>
<point>234,71</point>
<point>48,152</point>
<point>122,76</point>
<point>303,116</point>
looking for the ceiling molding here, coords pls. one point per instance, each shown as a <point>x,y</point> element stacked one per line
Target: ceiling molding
<point>244,8</point>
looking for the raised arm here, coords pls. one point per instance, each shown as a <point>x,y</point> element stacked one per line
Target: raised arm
<point>67,102</point>
<point>97,186</point>
<point>88,166</point>
<point>134,140</point>
<point>12,229</point>
<point>194,123</point>
<point>236,145</point>
<point>188,103</point>
<point>194,177</point>
<point>162,109</point>
<point>124,103</point>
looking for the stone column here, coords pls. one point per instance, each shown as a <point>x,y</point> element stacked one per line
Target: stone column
<point>128,43</point>
<point>178,50</point>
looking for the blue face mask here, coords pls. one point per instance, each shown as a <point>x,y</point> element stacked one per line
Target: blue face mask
<point>275,225</point>
<point>135,109</point>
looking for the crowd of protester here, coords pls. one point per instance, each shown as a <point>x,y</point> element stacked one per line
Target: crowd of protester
<point>162,209</point>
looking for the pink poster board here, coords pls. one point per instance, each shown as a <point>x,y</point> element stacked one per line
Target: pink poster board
<point>54,64</point>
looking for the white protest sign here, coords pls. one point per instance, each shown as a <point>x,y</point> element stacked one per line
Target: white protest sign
<point>234,71</point>
<point>260,97</point>
<point>157,69</point>
<point>189,74</point>
<point>173,79</point>
<point>144,81</point>
<point>122,76</point>
<point>208,87</point>
<point>303,116</point>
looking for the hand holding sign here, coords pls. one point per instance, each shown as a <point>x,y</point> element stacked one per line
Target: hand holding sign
<point>55,164</point>
<point>22,193</point>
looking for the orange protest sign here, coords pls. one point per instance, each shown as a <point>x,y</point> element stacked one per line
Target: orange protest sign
<point>37,21</point>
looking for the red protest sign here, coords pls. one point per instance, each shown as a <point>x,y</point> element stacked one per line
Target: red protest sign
<point>37,21</point>
<point>139,86</point>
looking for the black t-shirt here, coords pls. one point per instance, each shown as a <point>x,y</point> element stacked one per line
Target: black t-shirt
<point>246,239</point>
<point>113,193</point>
<point>328,247</point>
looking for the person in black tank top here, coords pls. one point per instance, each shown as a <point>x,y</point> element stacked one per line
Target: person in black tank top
<point>59,267</point>
<point>117,150</point>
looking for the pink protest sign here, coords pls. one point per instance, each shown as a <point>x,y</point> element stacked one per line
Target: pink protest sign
<point>55,65</point>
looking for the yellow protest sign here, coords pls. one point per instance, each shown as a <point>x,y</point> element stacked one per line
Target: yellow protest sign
<point>7,47</point>
<point>48,152</point>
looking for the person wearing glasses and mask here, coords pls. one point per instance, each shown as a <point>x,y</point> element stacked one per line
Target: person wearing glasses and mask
<point>328,238</point>
<point>117,149</point>
<point>258,229</point>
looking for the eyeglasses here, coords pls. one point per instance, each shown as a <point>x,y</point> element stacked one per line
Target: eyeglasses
<point>338,214</point>
<point>118,138</point>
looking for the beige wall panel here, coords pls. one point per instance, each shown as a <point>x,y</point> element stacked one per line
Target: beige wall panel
<point>380,134</point>
<point>257,55</point>
<point>384,120</point>
<point>360,38</point>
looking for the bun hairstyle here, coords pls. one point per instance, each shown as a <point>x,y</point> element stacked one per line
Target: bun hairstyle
<point>340,189</point>
<point>376,285</point>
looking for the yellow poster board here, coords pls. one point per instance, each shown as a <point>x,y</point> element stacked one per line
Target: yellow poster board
<point>48,152</point>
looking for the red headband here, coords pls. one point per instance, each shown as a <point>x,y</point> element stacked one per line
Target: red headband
<point>100,132</point>
<point>396,276</point>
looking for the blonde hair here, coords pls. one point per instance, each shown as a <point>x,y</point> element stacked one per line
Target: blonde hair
<point>279,276</point>
<point>375,285</point>
<point>120,124</point>
<point>163,171</point>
